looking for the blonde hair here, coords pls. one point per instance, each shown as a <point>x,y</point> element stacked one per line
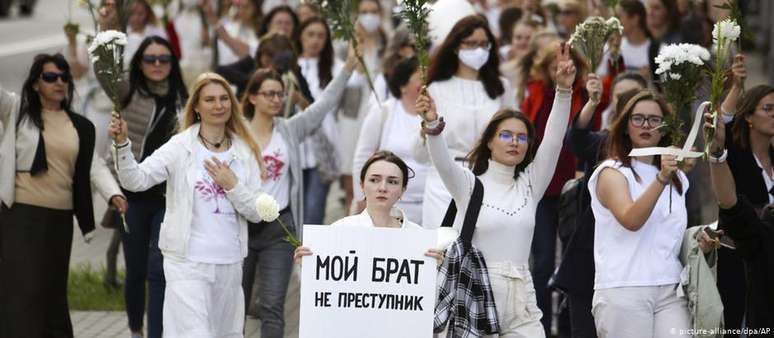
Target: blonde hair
<point>236,124</point>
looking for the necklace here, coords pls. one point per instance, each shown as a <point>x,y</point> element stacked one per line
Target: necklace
<point>214,144</point>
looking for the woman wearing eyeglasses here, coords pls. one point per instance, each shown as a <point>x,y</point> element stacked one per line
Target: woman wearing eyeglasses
<point>464,81</point>
<point>640,217</point>
<point>152,96</point>
<point>47,166</point>
<point>280,140</point>
<point>515,173</point>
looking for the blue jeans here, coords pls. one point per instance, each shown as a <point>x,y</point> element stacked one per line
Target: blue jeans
<point>144,262</point>
<point>273,256</point>
<point>315,196</point>
<point>544,255</point>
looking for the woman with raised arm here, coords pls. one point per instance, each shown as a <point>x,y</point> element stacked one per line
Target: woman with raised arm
<point>514,175</point>
<point>213,170</point>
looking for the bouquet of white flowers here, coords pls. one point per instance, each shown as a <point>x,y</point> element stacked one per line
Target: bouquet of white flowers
<point>268,209</point>
<point>723,35</point>
<point>680,67</point>
<point>107,55</point>
<point>591,35</point>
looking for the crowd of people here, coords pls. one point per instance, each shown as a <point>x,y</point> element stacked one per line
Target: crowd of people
<point>513,133</point>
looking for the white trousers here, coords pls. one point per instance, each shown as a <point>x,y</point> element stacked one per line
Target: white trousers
<point>640,312</point>
<point>203,300</point>
<point>514,294</point>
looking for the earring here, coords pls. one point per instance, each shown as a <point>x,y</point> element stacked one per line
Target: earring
<point>198,117</point>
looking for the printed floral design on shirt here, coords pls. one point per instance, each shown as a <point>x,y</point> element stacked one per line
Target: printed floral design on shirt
<point>208,191</point>
<point>274,165</point>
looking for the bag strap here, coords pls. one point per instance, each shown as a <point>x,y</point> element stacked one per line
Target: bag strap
<point>471,214</point>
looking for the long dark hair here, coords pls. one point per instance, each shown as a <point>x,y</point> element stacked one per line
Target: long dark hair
<point>270,16</point>
<point>325,60</point>
<point>635,7</point>
<point>254,85</point>
<point>747,106</point>
<point>31,105</point>
<point>176,94</point>
<point>480,155</point>
<point>619,143</point>
<point>445,61</point>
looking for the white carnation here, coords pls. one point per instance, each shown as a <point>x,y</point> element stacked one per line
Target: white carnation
<point>675,76</point>
<point>267,208</point>
<point>727,29</point>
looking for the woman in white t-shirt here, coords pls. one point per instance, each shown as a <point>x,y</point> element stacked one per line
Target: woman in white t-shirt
<point>212,169</point>
<point>636,41</point>
<point>142,24</point>
<point>281,141</point>
<point>464,81</point>
<point>395,127</point>
<point>320,162</point>
<point>383,180</point>
<point>238,36</point>
<point>640,214</point>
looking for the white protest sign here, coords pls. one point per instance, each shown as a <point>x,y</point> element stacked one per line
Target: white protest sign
<point>367,282</point>
<point>686,150</point>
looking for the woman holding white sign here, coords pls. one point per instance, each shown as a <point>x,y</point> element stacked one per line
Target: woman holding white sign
<point>514,176</point>
<point>640,213</point>
<point>383,179</point>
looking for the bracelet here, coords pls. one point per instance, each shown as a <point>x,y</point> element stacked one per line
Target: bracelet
<point>718,159</point>
<point>563,90</point>
<point>434,127</point>
<point>658,178</point>
<point>119,146</point>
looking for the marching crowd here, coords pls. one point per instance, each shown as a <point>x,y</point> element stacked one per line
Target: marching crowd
<point>512,132</point>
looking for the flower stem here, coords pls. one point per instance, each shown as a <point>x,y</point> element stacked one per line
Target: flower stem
<point>289,237</point>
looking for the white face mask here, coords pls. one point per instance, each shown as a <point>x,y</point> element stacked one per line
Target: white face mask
<point>370,22</point>
<point>474,58</point>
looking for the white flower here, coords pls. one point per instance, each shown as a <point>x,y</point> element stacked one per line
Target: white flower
<point>727,30</point>
<point>678,54</point>
<point>267,208</point>
<point>675,76</point>
<point>614,25</point>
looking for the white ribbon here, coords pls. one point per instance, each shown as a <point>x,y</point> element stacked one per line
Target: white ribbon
<point>686,151</point>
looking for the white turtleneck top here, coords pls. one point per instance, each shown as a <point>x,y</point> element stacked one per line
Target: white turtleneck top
<point>506,221</point>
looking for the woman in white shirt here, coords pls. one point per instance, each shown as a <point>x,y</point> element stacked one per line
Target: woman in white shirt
<point>238,36</point>
<point>357,101</point>
<point>212,168</point>
<point>636,42</point>
<point>281,141</point>
<point>142,24</point>
<point>514,175</point>
<point>320,161</point>
<point>383,179</point>
<point>395,127</point>
<point>464,81</point>
<point>640,213</point>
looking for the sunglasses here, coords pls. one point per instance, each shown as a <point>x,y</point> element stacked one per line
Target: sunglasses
<point>51,77</point>
<point>152,59</point>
